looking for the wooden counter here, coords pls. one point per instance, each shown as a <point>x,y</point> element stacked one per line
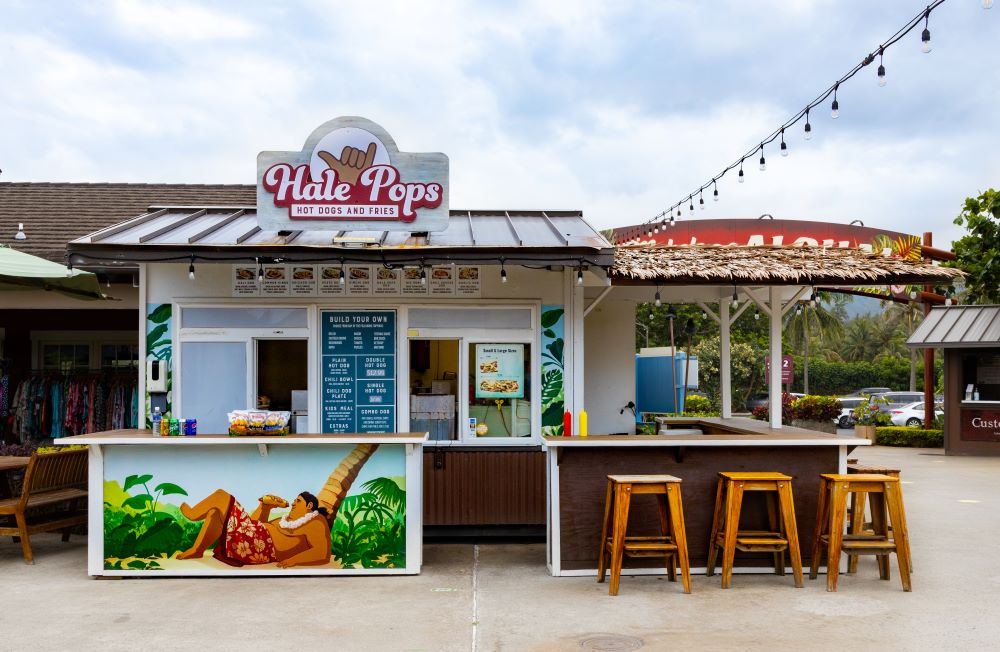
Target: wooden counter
<point>578,468</point>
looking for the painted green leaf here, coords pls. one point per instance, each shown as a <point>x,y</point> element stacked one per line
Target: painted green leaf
<point>138,502</point>
<point>137,564</point>
<point>556,349</point>
<point>161,313</point>
<point>153,337</point>
<point>169,488</point>
<point>133,480</point>
<point>552,386</point>
<point>552,415</point>
<point>551,317</point>
<point>549,333</point>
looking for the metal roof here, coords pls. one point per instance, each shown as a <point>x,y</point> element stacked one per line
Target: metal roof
<point>231,233</point>
<point>958,327</point>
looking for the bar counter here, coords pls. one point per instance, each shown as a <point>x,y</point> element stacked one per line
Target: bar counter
<point>578,468</point>
<point>202,504</point>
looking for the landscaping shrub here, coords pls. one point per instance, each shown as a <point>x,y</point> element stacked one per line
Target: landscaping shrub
<point>763,413</point>
<point>699,406</point>
<point>816,408</point>
<point>911,437</point>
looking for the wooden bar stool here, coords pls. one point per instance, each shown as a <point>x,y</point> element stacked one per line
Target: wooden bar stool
<point>672,541</point>
<point>726,534</point>
<point>884,498</point>
<point>857,509</point>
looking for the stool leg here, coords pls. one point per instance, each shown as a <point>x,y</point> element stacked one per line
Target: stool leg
<point>791,530</point>
<point>602,560</point>
<point>774,524</point>
<point>900,535</point>
<point>679,533</point>
<point>822,506</point>
<point>667,532</point>
<point>623,493</point>
<point>838,512</point>
<point>902,522</point>
<point>734,501</point>
<point>880,525</point>
<point>713,547</point>
<point>857,525</point>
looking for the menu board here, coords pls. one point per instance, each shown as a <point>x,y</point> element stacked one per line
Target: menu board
<point>499,371</point>
<point>359,370</point>
<point>307,280</point>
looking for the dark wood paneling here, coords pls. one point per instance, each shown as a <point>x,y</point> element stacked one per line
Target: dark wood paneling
<point>583,479</point>
<point>484,487</point>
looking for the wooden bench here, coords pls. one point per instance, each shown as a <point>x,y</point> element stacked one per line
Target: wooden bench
<point>51,479</point>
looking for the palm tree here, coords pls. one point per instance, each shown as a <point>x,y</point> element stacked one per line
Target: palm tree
<point>819,317</point>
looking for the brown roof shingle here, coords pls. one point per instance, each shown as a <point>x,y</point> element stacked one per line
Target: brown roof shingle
<point>55,213</point>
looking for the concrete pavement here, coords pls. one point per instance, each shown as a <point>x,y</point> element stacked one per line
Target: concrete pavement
<point>500,597</point>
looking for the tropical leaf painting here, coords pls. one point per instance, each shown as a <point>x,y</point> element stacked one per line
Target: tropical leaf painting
<point>553,389</point>
<point>159,345</point>
<point>906,247</point>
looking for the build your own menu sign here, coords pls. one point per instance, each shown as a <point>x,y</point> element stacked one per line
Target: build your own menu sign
<point>499,371</point>
<point>350,176</point>
<point>359,370</point>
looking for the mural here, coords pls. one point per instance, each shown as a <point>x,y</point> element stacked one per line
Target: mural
<point>228,507</point>
<point>553,390</point>
<point>159,346</point>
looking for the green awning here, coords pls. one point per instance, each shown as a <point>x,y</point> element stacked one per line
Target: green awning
<point>21,271</point>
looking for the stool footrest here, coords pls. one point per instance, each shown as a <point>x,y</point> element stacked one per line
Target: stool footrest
<point>646,546</point>
<point>871,544</point>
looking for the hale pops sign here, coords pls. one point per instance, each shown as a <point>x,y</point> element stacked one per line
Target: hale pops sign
<point>351,176</point>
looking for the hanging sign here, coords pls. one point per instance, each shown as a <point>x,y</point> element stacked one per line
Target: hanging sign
<point>359,370</point>
<point>787,369</point>
<point>499,371</point>
<point>350,176</point>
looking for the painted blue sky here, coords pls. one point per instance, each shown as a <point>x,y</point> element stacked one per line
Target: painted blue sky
<point>616,108</point>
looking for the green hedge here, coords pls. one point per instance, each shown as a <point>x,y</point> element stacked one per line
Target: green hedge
<point>839,378</point>
<point>911,437</point>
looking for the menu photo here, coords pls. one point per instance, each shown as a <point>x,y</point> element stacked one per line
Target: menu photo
<point>275,283</point>
<point>245,280</point>
<point>303,280</point>
<point>412,283</point>
<point>386,281</point>
<point>359,280</point>
<point>442,280</point>
<point>330,281</point>
<point>468,283</point>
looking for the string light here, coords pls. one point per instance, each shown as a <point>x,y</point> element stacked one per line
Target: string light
<point>812,298</point>
<point>423,275</point>
<point>763,165</point>
<point>191,270</point>
<point>736,299</point>
<point>503,272</point>
<point>798,309</point>
<point>691,203</point>
<point>756,315</point>
<point>656,300</point>
<point>260,271</point>
<point>833,90</point>
<point>341,275</point>
<point>20,235</point>
<point>579,275</point>
<point>701,201</point>
<point>925,36</point>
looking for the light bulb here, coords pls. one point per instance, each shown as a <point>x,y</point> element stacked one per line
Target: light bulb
<point>20,232</point>
<point>763,165</point>
<point>736,300</point>
<point>704,315</point>
<point>808,132</point>
<point>881,75</point>
<point>835,109</point>
<point>715,194</point>
<point>672,220</point>
<point>191,271</point>
<point>260,274</point>
<point>650,316</point>
<point>756,314</point>
<point>503,275</point>
<point>423,276</point>
<point>947,300</point>
<point>657,300</point>
<point>798,309</point>
<point>925,41</point>
<point>341,276</point>
<point>579,276</point>
<point>784,149</point>
<point>741,175</point>
<point>913,294</point>
<point>69,269</point>
<point>691,206</point>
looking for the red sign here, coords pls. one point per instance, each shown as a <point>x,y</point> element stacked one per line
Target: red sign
<point>787,369</point>
<point>980,425</point>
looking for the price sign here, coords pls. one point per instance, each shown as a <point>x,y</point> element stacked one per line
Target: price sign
<point>359,370</point>
<point>787,369</point>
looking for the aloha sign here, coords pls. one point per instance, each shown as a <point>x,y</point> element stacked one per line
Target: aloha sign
<point>350,175</point>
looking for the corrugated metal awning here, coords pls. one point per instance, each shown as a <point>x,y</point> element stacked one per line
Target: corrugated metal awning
<point>231,234</point>
<point>958,327</point>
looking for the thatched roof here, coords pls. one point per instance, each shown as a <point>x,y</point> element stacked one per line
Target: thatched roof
<point>788,265</point>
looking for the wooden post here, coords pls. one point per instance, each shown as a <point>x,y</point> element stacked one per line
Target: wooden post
<point>928,358</point>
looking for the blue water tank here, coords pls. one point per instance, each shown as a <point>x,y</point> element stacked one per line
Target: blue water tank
<point>652,382</point>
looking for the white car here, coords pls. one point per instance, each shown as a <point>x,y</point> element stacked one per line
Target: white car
<point>912,414</point>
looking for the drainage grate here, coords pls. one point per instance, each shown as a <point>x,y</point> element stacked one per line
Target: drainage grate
<point>611,643</point>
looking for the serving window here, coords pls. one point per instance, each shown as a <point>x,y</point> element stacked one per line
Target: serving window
<point>499,398</point>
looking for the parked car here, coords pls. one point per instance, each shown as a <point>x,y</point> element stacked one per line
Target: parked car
<point>865,392</point>
<point>897,400</point>
<point>760,400</point>
<point>846,418</point>
<point>912,414</point>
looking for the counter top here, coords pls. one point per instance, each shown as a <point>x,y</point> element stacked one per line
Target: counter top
<point>739,432</point>
<point>147,437</point>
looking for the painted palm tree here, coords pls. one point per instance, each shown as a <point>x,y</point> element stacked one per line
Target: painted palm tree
<point>339,483</point>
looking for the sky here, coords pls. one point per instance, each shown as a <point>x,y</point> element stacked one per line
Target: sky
<point>619,109</point>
